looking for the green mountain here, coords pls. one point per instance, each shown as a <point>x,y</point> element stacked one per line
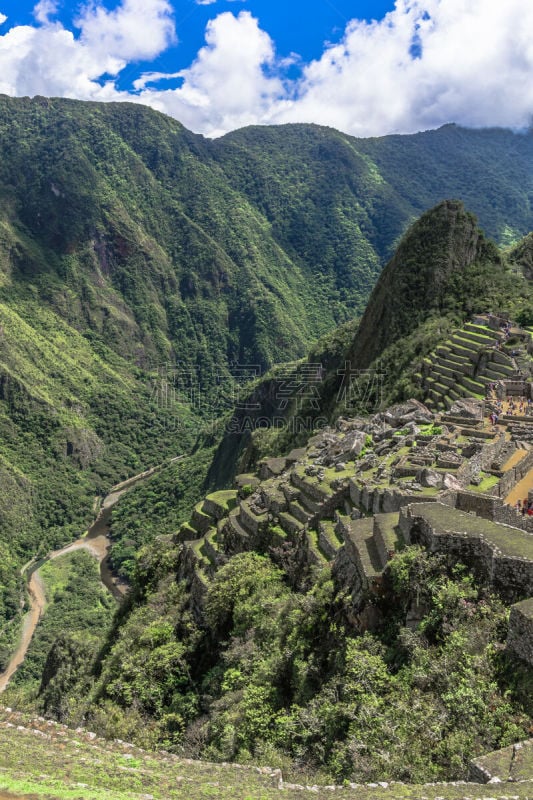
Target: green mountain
<point>146,274</point>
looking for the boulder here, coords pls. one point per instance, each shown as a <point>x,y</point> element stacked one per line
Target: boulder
<point>412,411</point>
<point>450,482</point>
<point>430,478</point>
<point>467,407</point>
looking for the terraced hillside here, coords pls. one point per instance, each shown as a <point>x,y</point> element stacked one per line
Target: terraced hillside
<point>466,364</point>
<point>340,499</point>
<point>279,594</point>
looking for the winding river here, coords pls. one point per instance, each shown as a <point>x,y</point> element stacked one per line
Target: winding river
<point>97,542</point>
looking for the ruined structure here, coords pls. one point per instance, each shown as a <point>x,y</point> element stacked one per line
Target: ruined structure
<point>360,492</point>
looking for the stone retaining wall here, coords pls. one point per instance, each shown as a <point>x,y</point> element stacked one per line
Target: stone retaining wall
<point>520,636</point>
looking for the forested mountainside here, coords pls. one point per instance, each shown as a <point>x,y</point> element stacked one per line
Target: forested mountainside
<point>145,272</point>
<point>135,255</point>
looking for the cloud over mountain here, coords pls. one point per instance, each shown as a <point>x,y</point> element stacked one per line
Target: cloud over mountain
<point>426,63</point>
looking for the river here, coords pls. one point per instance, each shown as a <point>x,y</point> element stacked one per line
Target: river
<point>97,542</point>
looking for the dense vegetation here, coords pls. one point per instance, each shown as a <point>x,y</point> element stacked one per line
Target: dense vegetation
<point>77,603</point>
<point>280,676</point>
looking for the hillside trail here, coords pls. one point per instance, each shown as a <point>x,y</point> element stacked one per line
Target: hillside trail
<point>97,542</point>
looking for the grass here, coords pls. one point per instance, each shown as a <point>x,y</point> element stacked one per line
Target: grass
<point>511,541</point>
<point>86,769</point>
<point>225,499</point>
<point>45,760</point>
<point>488,483</point>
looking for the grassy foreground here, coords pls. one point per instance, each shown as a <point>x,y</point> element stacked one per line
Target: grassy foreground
<point>42,759</point>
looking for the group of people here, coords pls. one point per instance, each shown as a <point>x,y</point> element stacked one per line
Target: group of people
<point>512,406</point>
<point>524,507</point>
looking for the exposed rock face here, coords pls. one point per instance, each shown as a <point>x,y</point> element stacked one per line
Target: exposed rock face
<point>83,446</point>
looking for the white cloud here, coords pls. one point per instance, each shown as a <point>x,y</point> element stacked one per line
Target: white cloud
<point>136,30</point>
<point>226,86</point>
<point>2,18</point>
<point>154,77</point>
<point>475,67</point>
<point>426,63</point>
<point>44,10</point>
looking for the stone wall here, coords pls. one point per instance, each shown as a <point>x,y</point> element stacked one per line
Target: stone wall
<point>482,460</point>
<point>483,505</point>
<point>520,636</point>
<point>508,574</point>
<point>383,500</point>
<point>507,515</point>
<point>514,475</point>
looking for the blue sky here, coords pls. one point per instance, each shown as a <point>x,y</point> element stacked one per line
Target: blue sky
<point>300,26</point>
<point>367,68</point>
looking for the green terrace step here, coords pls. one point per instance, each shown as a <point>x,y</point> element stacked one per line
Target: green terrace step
<point>200,520</point>
<point>462,365</point>
<point>494,376</point>
<point>186,533</point>
<point>501,357</point>
<point>457,360</point>
<point>308,504</point>
<point>297,510</point>
<point>482,378</point>
<point>360,542</point>
<point>327,539</point>
<point>210,549</point>
<point>387,535</point>
<point>219,504</point>
<point>483,330</point>
<point>290,524</point>
<point>502,370</point>
<point>315,550</point>
<point>478,338</point>
<point>473,386</point>
<point>316,491</point>
<point>468,355</point>
<point>444,368</point>
<point>465,348</point>
<point>197,547</point>
<point>446,380</point>
<point>236,528</point>
<point>438,390</point>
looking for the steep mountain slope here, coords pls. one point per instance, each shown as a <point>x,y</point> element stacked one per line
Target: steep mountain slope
<point>429,275</point>
<point>442,272</point>
<point>375,187</point>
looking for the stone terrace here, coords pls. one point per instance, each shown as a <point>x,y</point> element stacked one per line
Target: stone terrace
<point>344,500</point>
<point>473,357</point>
